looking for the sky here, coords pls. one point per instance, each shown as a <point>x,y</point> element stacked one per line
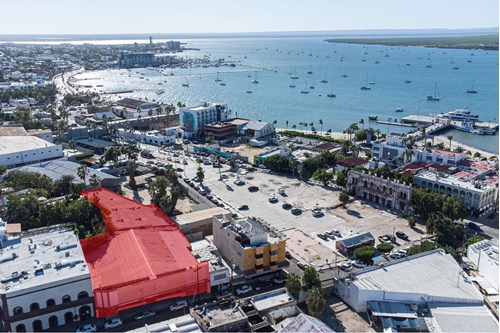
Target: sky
<point>222,16</point>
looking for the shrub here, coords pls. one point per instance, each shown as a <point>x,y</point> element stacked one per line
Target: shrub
<point>384,247</point>
<point>365,253</point>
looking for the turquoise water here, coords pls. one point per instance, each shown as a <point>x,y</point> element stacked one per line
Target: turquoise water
<point>272,98</point>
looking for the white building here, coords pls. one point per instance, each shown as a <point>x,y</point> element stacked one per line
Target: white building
<point>430,155</point>
<point>45,281</point>
<point>391,148</point>
<point>259,132</point>
<point>193,119</point>
<point>476,196</point>
<point>484,255</point>
<point>157,138</point>
<point>22,150</point>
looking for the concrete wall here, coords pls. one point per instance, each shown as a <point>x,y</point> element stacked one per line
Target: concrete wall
<point>31,156</point>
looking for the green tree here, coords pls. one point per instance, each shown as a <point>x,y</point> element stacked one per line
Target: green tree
<point>474,239</point>
<point>320,122</point>
<point>62,186</point>
<point>160,196</point>
<point>130,170</point>
<point>447,232</point>
<point>310,279</point>
<point>3,168</point>
<point>315,302</point>
<point>72,145</point>
<point>425,202</point>
<point>322,175</point>
<point>411,221</point>
<point>365,253</point>
<point>82,172</point>
<point>330,158</point>
<point>293,285</point>
<point>94,181</point>
<point>361,135</point>
<point>341,178</point>
<point>232,163</point>
<point>454,208</point>
<point>423,247</point>
<point>385,247</point>
<point>200,175</point>
<point>343,197</point>
<point>309,166</point>
<point>277,163</point>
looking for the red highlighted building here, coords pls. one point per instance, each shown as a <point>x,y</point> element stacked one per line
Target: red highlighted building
<point>142,258</point>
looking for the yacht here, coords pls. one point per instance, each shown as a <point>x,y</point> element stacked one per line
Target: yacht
<point>407,81</point>
<point>399,110</point>
<point>324,80</point>
<point>255,80</point>
<point>463,115</point>
<point>472,90</point>
<point>305,91</point>
<point>185,84</point>
<point>373,117</point>
<point>434,97</point>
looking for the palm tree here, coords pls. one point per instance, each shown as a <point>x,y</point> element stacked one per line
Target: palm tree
<point>130,169</point>
<point>362,122</point>
<point>450,137</point>
<point>294,127</point>
<point>286,122</point>
<point>82,172</point>
<point>72,145</point>
<point>94,181</point>
<point>275,122</point>
<point>293,285</point>
<point>312,125</point>
<point>315,302</point>
<point>321,124</point>
<point>409,154</point>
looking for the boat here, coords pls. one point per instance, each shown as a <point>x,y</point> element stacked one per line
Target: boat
<point>324,80</point>
<point>434,97</point>
<point>469,127</point>
<point>463,115</point>
<point>407,81</point>
<point>344,75</point>
<point>365,87</point>
<point>305,91</point>
<point>218,79</point>
<point>185,84</point>
<point>249,91</point>
<point>332,94</point>
<point>456,68</point>
<point>223,84</point>
<point>255,80</point>
<point>373,117</point>
<point>310,71</point>
<point>294,76</point>
<point>472,90</point>
<point>429,65</point>
<point>159,92</point>
<point>399,110</point>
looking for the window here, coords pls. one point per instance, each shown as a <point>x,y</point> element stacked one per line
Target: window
<point>66,299</point>
<point>259,256</point>
<point>37,326</point>
<point>51,302</point>
<point>53,322</point>
<point>274,252</point>
<point>34,306</point>
<point>20,328</point>
<point>83,294</point>
<point>68,318</point>
<point>219,277</point>
<point>18,310</point>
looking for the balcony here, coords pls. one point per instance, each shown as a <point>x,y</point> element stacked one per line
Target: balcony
<point>259,261</point>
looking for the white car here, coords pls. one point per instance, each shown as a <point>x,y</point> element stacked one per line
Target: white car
<point>243,290</point>
<point>112,323</point>
<point>145,315</point>
<point>178,306</point>
<point>346,266</point>
<point>317,212</point>
<point>273,199</point>
<point>87,328</point>
<point>359,264</point>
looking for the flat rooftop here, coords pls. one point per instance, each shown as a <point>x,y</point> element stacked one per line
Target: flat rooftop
<point>14,144</point>
<point>41,256</point>
<point>272,299</point>
<point>433,273</point>
<point>463,318</point>
<point>248,227</point>
<point>199,215</point>
<point>452,180</point>
<point>185,323</point>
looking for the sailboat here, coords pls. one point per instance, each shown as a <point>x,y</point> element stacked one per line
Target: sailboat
<point>332,94</point>
<point>365,87</point>
<point>305,91</point>
<point>218,79</point>
<point>434,97</point>
<point>372,82</point>
<point>324,80</point>
<point>429,65</point>
<point>472,90</point>
<point>292,85</point>
<point>310,71</point>
<point>185,84</point>
<point>255,80</point>
<point>312,85</point>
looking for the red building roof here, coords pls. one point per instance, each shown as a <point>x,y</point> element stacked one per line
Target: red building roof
<point>142,258</point>
<point>346,162</point>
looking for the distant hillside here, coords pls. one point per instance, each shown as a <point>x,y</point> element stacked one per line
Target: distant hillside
<point>485,42</point>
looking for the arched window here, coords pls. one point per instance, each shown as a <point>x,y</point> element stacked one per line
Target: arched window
<point>53,322</point>
<point>34,306</point>
<point>85,312</point>
<point>66,299</point>
<point>68,318</point>
<point>20,328</point>
<point>18,310</point>
<point>51,302</point>
<point>37,326</point>
<point>83,294</point>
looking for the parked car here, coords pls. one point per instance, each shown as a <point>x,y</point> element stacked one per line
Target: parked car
<point>87,328</point>
<point>185,141</point>
<point>397,255</point>
<point>178,306</point>
<point>238,182</point>
<point>253,188</point>
<point>288,255</point>
<point>262,166</point>
<point>359,264</point>
<point>317,212</point>
<point>401,235</point>
<point>385,239</point>
<point>145,315</point>
<point>346,266</point>
<point>286,206</point>
<point>296,211</point>
<point>323,236</point>
<point>330,235</point>
<point>243,207</point>
<point>202,191</point>
<point>301,266</point>
<point>336,233</point>
<point>273,199</point>
<point>112,323</point>
<point>244,289</point>
<point>185,162</point>
<point>473,226</point>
